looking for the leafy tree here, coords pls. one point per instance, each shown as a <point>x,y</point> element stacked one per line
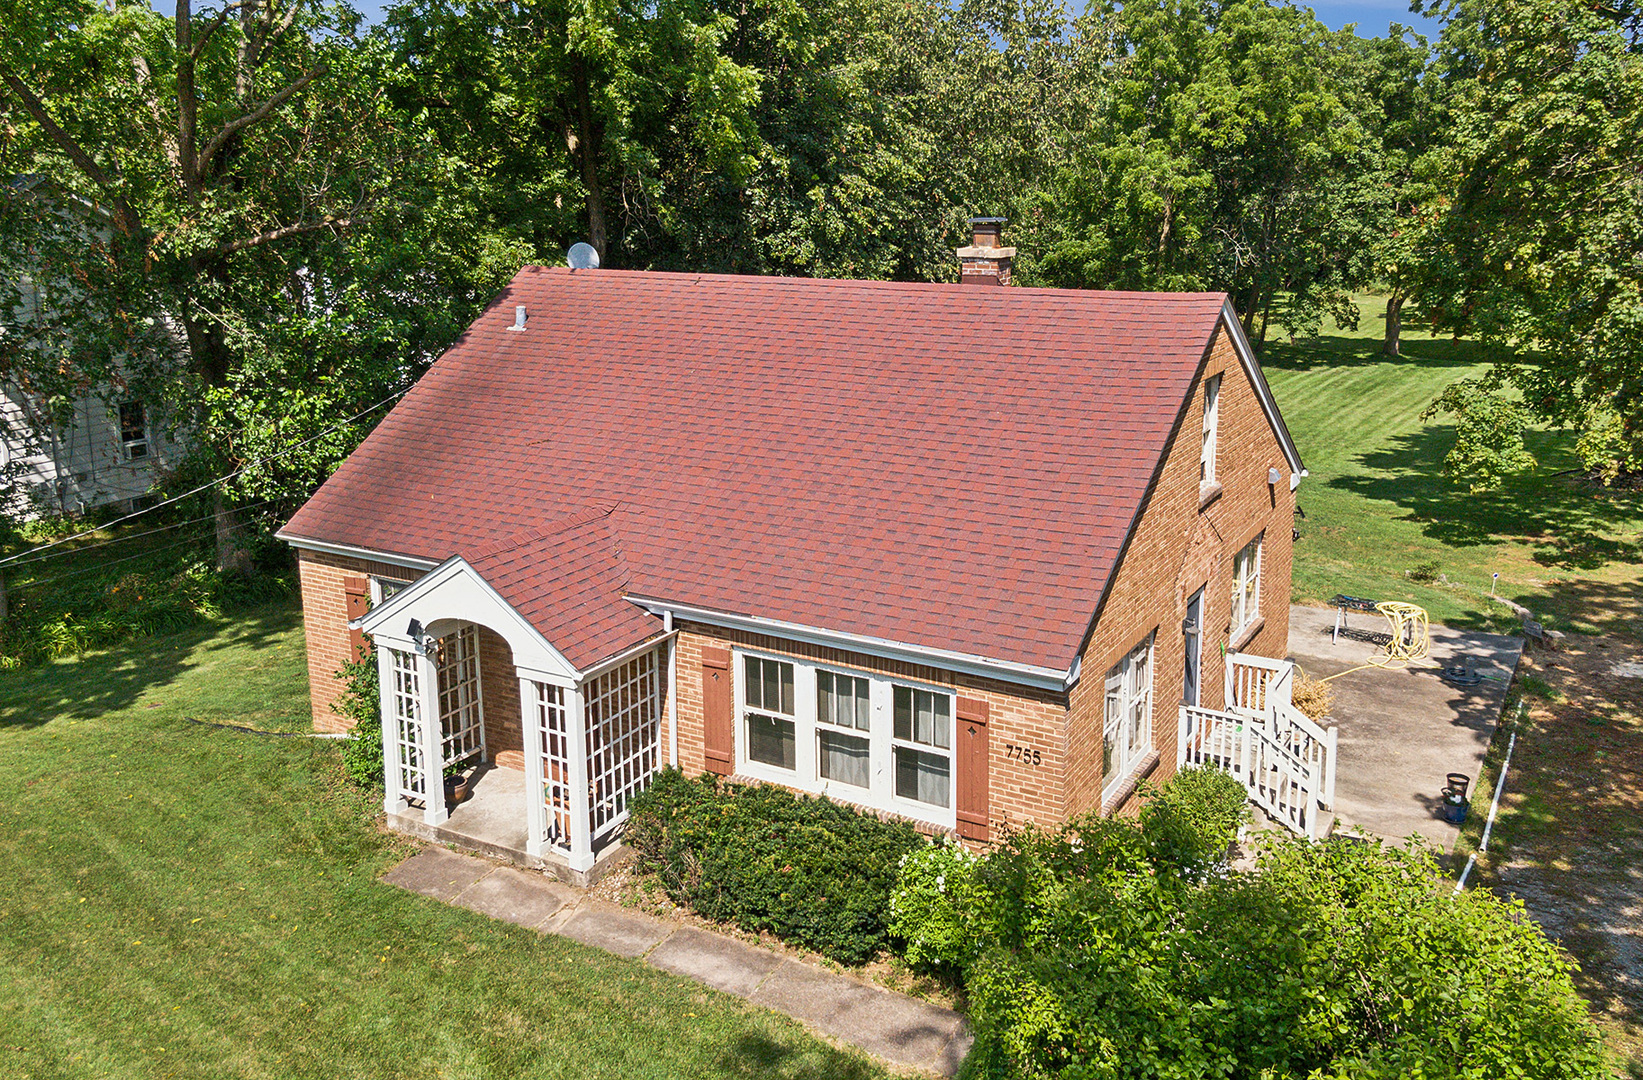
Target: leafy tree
<point>1541,240</point>
<point>262,204</point>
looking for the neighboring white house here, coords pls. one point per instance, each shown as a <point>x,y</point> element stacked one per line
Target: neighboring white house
<point>109,447</point>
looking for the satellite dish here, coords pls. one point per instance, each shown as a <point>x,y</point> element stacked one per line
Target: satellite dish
<point>582,257</point>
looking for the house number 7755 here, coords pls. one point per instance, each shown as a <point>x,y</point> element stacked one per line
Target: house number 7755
<point>1024,754</point>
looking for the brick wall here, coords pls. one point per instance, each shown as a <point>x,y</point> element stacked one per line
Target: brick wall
<point>1178,546</point>
<point>1019,715</point>
<point>325,622</point>
<point>499,688</point>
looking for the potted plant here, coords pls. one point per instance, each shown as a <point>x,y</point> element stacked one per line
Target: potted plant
<point>459,778</point>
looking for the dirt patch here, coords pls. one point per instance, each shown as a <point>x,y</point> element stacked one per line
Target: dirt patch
<point>1569,839</point>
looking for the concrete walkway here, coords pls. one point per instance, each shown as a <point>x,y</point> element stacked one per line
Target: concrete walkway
<point>892,1026</point>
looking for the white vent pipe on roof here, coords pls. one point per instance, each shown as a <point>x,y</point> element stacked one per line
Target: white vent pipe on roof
<point>518,318</point>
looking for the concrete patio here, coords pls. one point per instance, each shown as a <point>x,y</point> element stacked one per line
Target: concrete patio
<point>1402,730</point>
<point>891,1026</point>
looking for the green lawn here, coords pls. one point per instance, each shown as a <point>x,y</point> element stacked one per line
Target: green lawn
<point>184,901</point>
<point>1377,504</point>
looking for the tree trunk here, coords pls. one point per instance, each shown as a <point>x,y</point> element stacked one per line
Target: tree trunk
<point>1392,345</point>
<point>232,554</point>
<point>588,137</point>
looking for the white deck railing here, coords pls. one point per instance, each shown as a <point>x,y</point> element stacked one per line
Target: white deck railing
<point>1285,760</point>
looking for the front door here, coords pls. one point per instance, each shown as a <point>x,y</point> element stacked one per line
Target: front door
<point>1192,633</point>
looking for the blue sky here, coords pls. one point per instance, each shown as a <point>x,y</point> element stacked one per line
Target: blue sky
<point>1370,16</point>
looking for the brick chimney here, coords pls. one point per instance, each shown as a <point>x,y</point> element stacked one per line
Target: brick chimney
<point>984,262</point>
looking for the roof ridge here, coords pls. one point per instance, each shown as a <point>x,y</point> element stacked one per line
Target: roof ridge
<point>540,532</point>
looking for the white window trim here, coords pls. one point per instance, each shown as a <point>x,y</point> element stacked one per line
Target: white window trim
<point>1137,757</point>
<point>1211,435</point>
<point>1240,581</point>
<point>126,444</point>
<point>379,594</point>
<point>806,775</point>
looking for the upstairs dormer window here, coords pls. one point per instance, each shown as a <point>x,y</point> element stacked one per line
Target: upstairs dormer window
<point>133,431</point>
<point>1212,408</point>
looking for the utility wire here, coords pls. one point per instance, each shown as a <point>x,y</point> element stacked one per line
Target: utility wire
<point>213,483</point>
<point>114,562</point>
<point>134,536</point>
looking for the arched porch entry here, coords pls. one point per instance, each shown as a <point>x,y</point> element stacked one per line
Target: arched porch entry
<point>463,675</point>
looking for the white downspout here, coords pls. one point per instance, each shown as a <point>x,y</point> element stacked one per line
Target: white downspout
<point>672,692</point>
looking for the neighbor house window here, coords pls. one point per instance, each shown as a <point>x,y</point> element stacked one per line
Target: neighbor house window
<point>771,731</point>
<point>133,430</point>
<point>923,745</point>
<point>844,718</point>
<point>1127,733</point>
<point>1246,587</point>
<point>1212,408</point>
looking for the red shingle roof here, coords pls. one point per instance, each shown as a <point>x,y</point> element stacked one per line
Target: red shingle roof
<point>944,466</point>
<point>568,579</point>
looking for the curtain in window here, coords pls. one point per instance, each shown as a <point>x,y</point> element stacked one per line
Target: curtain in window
<point>921,776</point>
<point>842,758</point>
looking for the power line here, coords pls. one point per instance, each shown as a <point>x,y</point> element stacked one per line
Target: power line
<point>213,483</point>
<point>132,536</point>
<point>114,562</point>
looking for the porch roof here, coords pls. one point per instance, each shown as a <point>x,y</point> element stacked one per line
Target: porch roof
<point>555,593</point>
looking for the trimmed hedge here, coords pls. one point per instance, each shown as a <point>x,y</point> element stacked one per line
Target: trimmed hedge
<point>810,871</point>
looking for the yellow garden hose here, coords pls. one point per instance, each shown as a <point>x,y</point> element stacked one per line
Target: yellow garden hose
<point>1411,638</point>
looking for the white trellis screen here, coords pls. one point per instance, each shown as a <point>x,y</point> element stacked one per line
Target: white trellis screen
<point>553,743</point>
<point>406,692</point>
<point>624,714</point>
<point>460,715</point>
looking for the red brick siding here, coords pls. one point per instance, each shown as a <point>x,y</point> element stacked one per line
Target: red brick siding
<point>325,621</point>
<point>499,688</point>
<point>1017,715</point>
<point>1178,547</point>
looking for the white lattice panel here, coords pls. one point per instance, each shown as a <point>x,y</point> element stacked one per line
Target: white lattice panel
<point>406,699</point>
<point>460,725</point>
<point>624,714</point>
<point>552,727</point>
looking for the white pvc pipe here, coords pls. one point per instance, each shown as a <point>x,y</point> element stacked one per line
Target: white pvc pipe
<point>1494,806</point>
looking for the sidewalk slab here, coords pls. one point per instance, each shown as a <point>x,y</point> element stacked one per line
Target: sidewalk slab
<point>720,962</point>
<point>892,1026</point>
<point>515,896</point>
<point>438,873</point>
<point>607,927</point>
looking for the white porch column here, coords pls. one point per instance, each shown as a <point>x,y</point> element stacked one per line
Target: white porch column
<point>536,812</point>
<point>433,748</point>
<point>581,812</point>
<point>391,791</point>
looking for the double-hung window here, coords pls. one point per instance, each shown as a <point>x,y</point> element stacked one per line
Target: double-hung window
<point>1212,409</point>
<point>1246,587</point>
<point>771,728</point>
<point>923,746</point>
<point>852,735</point>
<point>133,431</point>
<point>1127,732</point>
<point>844,720</point>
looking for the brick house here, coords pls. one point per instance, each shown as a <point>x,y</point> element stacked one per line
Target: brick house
<point>964,555</point>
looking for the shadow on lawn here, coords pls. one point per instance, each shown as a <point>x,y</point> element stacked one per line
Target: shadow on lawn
<point>755,1055</point>
<point>111,680</point>
<point>1338,350</point>
<point>1565,518</point>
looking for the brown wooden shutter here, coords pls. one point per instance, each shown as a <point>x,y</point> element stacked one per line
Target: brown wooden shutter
<point>358,590</point>
<point>718,725</point>
<point>971,754</point>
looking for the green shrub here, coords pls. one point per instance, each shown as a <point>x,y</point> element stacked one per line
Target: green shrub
<point>1108,949</point>
<point>810,871</point>
<point>360,705</point>
<point>1191,821</point>
<point>937,896</point>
